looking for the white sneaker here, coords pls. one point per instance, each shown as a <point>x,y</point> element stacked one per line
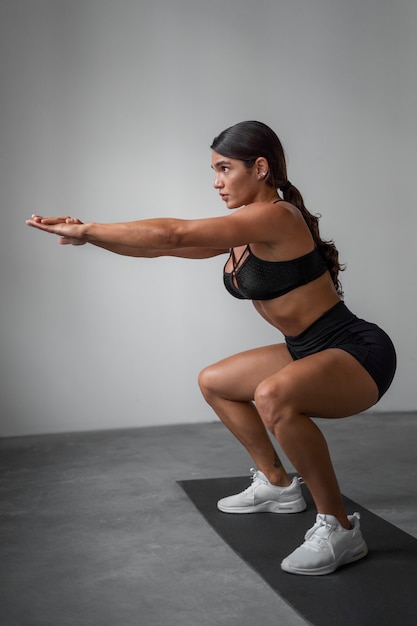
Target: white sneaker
<point>263,497</point>
<point>327,546</point>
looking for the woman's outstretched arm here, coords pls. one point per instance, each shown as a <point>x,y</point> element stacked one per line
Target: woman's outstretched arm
<point>259,222</point>
<point>70,234</point>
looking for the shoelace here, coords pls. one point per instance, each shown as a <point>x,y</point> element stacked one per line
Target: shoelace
<point>318,536</point>
<point>255,478</point>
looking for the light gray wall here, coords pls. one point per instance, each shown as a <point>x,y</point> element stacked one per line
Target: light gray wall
<point>108,109</point>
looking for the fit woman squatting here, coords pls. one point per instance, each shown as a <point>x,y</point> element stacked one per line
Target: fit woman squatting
<point>331,365</point>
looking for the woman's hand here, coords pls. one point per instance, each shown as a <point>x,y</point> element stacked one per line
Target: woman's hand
<point>70,229</point>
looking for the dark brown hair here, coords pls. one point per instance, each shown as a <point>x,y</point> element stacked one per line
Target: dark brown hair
<point>247,141</point>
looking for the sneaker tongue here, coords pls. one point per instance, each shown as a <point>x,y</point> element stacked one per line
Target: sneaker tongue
<point>318,535</point>
<point>262,477</point>
<point>330,520</point>
<point>323,528</point>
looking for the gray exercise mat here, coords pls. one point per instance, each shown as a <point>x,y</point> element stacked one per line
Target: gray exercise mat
<point>379,590</point>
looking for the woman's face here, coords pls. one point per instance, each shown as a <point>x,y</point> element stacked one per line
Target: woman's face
<point>237,185</point>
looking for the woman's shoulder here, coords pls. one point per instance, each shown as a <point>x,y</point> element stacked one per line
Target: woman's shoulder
<point>285,225</point>
<point>281,213</point>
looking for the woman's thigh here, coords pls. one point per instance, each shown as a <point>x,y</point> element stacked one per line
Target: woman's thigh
<point>237,377</point>
<point>329,384</point>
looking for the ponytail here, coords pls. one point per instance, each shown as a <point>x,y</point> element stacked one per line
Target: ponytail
<point>327,248</point>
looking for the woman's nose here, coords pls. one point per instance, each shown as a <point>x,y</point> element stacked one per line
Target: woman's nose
<point>217,182</point>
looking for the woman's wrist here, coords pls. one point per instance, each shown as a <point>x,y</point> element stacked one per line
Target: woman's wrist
<point>87,229</point>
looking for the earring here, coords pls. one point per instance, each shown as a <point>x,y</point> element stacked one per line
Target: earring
<point>263,175</point>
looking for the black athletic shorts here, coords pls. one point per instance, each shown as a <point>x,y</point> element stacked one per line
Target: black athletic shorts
<point>339,328</point>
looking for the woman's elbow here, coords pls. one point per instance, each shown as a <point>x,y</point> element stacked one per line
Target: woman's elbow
<point>174,236</point>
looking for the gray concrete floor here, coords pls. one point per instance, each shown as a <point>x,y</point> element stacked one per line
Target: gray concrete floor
<point>95,530</point>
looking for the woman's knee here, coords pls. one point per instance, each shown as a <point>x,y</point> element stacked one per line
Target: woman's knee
<point>208,381</point>
<point>273,399</point>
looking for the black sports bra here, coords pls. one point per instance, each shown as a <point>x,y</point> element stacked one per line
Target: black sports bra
<point>257,279</point>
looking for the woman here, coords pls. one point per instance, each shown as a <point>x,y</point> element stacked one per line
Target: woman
<point>332,364</point>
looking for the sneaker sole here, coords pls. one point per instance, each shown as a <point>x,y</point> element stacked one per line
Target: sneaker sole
<point>267,507</point>
<point>344,559</point>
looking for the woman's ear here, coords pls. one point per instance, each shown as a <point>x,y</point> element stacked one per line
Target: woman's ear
<point>261,168</point>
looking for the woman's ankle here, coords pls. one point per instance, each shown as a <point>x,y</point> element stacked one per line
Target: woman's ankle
<point>277,477</point>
